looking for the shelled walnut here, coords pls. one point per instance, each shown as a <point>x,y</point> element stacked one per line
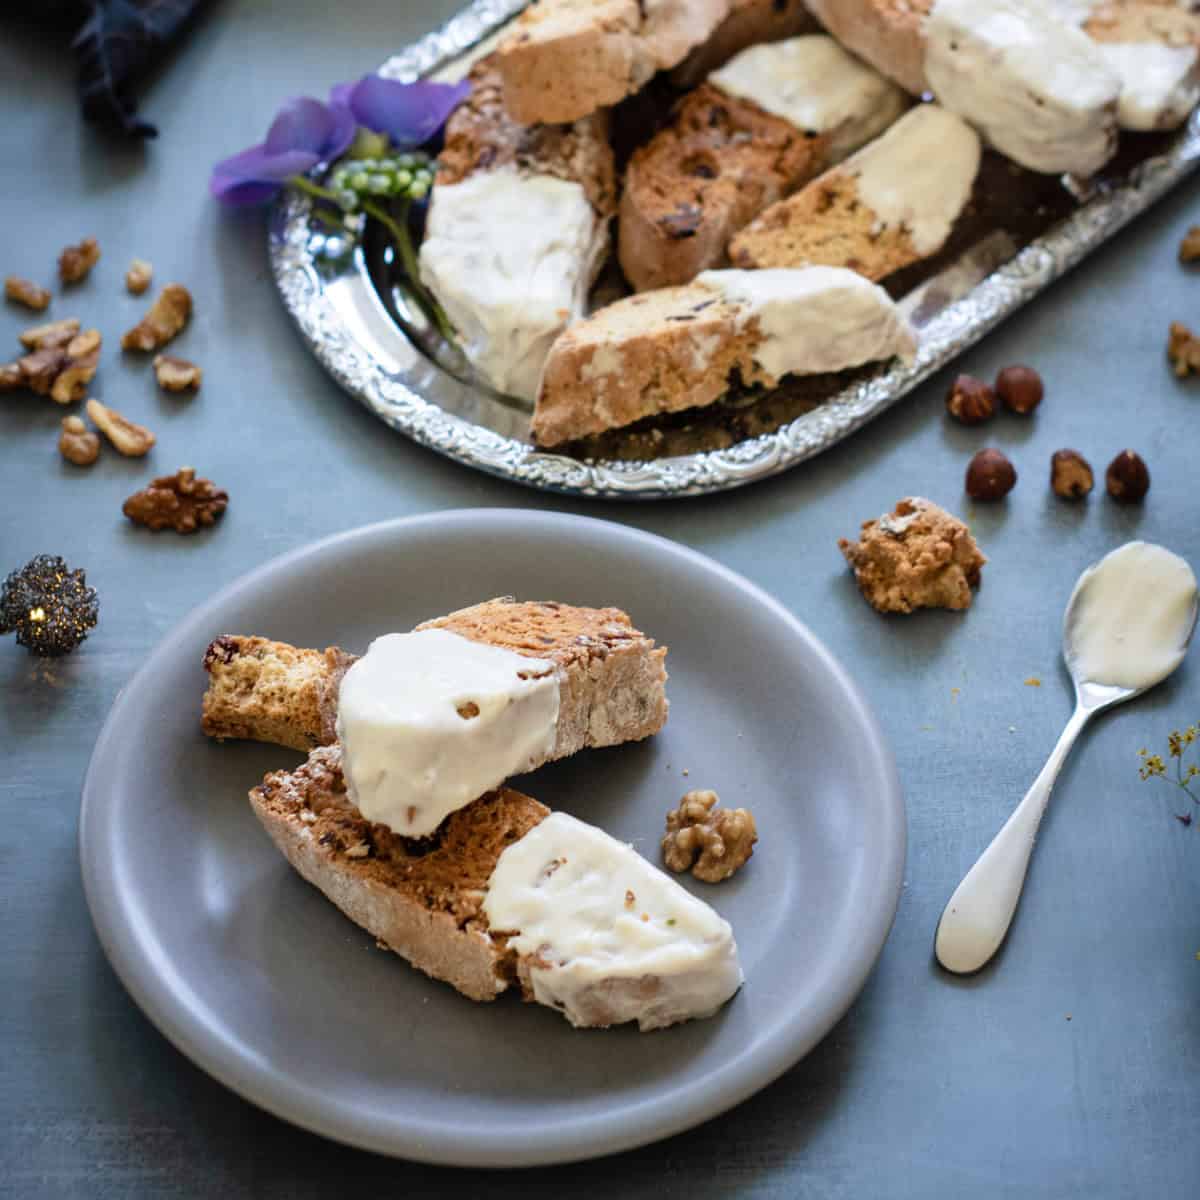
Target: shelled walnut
<point>126,436</point>
<point>77,443</point>
<point>53,333</point>
<point>26,292</point>
<point>176,374</point>
<point>138,277</point>
<point>75,262</point>
<point>168,314</point>
<point>1183,349</point>
<point>180,502</point>
<point>709,841</point>
<point>1189,248</point>
<point>11,377</point>
<point>40,369</point>
<point>71,383</point>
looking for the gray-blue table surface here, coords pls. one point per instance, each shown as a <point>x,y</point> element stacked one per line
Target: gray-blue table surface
<point>1070,1069</point>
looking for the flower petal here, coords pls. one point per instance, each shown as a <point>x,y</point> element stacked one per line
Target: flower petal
<point>409,113</point>
<point>301,124</point>
<point>255,175</point>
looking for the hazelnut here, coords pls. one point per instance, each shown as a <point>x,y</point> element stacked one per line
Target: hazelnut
<point>1127,478</point>
<point>971,401</point>
<point>990,476</point>
<point>1070,475</point>
<point>1020,388</point>
<point>77,444</point>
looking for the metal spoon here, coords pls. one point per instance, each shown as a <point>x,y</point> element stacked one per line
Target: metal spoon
<point>978,915</point>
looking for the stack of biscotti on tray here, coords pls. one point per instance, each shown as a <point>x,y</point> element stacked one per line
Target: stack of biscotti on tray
<point>485,891</point>
<point>769,120</point>
<point>1046,83</point>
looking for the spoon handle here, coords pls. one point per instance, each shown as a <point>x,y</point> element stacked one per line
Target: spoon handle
<point>978,915</point>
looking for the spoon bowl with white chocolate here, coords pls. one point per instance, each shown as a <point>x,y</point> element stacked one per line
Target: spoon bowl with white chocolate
<point>1128,625</point>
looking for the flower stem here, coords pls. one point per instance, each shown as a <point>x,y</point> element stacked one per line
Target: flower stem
<point>408,259</point>
<point>313,189</point>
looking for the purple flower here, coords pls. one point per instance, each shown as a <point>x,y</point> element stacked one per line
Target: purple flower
<point>409,113</point>
<point>304,133</point>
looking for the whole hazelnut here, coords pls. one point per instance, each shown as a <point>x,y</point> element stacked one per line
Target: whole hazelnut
<point>990,476</point>
<point>970,400</point>
<point>1020,388</point>
<point>1127,478</point>
<point>1070,475</point>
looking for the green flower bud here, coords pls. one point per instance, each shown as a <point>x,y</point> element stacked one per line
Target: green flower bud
<point>418,189</point>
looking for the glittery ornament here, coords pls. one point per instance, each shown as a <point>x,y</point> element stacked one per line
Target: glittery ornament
<point>49,606</point>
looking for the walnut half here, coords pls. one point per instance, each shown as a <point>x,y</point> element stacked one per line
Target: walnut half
<point>75,262</point>
<point>180,502</point>
<point>709,841</point>
<point>168,314</point>
<point>127,437</point>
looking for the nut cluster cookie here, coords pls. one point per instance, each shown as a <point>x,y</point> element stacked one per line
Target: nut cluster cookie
<point>918,556</point>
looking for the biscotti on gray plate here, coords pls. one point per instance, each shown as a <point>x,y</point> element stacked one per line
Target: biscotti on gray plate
<point>1038,89</point>
<point>509,894</point>
<point>612,678</point>
<point>890,205</point>
<point>772,118</point>
<point>518,229</point>
<point>565,59</point>
<point>686,347</point>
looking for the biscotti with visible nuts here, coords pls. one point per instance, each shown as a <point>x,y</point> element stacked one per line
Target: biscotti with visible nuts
<point>768,121</point>
<point>1155,49</point>
<point>421,898</point>
<point>612,677</point>
<point>517,231</point>
<point>890,205</point>
<point>481,136</point>
<point>749,23</point>
<point>1035,86</point>
<point>685,347</point>
<point>564,59</point>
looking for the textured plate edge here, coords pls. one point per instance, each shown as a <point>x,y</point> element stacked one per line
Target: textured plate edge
<point>751,1076</point>
<point>958,327</point>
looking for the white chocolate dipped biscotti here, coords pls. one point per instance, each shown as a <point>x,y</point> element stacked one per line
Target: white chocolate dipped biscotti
<point>890,205</point>
<point>517,231</point>
<point>1154,47</point>
<point>771,119</point>
<point>685,347</point>
<point>1037,88</point>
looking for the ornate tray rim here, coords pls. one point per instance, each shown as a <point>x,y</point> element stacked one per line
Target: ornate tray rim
<point>304,291</point>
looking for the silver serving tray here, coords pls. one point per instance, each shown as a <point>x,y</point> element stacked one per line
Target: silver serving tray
<point>371,350</point>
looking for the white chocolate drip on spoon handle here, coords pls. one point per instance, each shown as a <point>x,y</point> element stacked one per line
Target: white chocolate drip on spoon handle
<point>979,913</point>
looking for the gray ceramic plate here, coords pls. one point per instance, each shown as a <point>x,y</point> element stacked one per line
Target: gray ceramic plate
<point>258,979</point>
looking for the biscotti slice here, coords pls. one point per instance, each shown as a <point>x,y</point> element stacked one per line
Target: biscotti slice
<point>1038,90</point>
<point>506,893</point>
<point>420,898</point>
<point>686,347</point>
<point>567,58</point>
<point>749,23</point>
<point>1155,50</point>
<point>886,207</point>
<point>611,676</point>
<point>768,121</point>
<point>517,231</point>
